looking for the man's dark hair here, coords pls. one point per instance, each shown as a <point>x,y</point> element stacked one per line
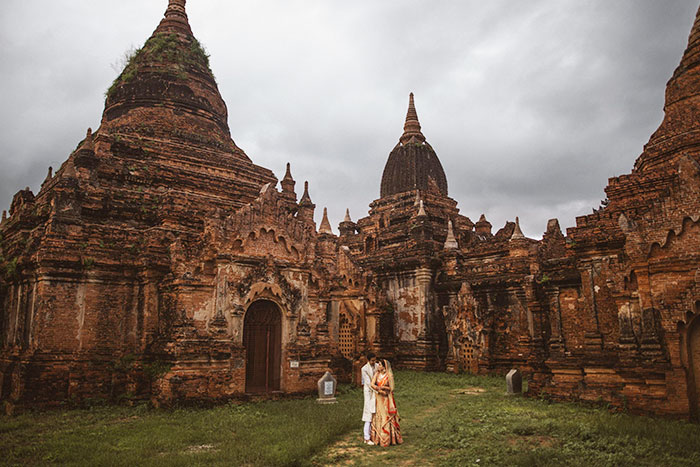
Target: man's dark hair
<point>370,355</point>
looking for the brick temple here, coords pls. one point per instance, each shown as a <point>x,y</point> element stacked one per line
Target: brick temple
<point>159,261</point>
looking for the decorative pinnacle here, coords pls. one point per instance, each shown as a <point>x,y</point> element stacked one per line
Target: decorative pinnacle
<point>483,227</point>
<point>288,182</point>
<point>49,176</point>
<point>288,175</point>
<point>306,199</point>
<point>517,233</point>
<point>325,227</point>
<point>421,210</point>
<point>88,140</point>
<point>411,129</point>
<point>4,215</point>
<point>175,19</point>
<point>347,216</point>
<point>450,241</point>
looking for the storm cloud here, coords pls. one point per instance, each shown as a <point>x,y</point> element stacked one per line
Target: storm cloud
<point>530,106</point>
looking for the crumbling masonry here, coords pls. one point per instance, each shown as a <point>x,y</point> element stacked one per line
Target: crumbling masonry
<point>160,262</point>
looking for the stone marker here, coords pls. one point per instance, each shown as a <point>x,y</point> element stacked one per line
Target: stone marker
<point>8,408</point>
<point>514,381</point>
<point>326,389</point>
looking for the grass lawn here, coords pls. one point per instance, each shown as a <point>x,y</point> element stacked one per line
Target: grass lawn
<point>446,420</point>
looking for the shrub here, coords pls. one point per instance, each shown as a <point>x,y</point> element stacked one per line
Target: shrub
<point>11,269</point>
<point>157,369</point>
<point>124,363</point>
<point>163,48</point>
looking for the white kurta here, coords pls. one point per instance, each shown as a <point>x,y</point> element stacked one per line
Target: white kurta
<point>370,397</point>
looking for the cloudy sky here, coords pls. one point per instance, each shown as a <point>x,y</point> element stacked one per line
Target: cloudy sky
<point>530,105</point>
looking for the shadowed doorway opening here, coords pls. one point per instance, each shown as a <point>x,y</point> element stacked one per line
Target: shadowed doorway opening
<point>262,338</point>
<point>694,366</point>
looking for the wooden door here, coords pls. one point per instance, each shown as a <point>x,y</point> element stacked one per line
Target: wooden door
<point>262,338</point>
<point>468,354</point>
<point>346,338</point>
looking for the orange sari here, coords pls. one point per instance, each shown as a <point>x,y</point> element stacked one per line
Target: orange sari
<point>385,421</point>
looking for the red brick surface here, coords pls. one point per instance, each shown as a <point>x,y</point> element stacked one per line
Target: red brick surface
<point>130,273</point>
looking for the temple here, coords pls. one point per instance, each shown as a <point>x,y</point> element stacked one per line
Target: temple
<point>159,262</point>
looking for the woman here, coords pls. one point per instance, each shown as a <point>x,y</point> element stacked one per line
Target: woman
<point>385,421</point>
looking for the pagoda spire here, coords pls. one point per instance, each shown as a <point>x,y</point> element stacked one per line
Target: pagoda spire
<point>306,207</point>
<point>288,181</point>
<point>288,173</point>
<point>49,176</point>
<point>678,130</point>
<point>450,241</point>
<point>305,198</point>
<point>483,227</point>
<point>325,227</point>
<point>89,143</point>
<point>347,227</point>
<point>175,20</point>
<point>421,210</point>
<point>693,48</point>
<point>411,129</point>
<point>517,232</point>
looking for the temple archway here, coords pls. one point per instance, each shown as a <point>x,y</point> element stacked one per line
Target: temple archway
<point>262,339</point>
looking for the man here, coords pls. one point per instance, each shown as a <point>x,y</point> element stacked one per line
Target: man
<point>370,399</point>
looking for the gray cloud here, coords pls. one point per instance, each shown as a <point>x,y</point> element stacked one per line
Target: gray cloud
<point>531,106</point>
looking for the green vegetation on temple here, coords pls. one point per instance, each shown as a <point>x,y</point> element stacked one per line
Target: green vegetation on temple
<point>179,54</point>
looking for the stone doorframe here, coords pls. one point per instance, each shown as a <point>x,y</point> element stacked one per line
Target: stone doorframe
<point>264,291</point>
<point>691,349</point>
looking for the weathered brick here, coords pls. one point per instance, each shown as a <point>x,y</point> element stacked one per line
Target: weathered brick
<point>141,266</point>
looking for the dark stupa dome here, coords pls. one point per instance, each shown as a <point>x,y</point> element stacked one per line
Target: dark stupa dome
<point>413,164</point>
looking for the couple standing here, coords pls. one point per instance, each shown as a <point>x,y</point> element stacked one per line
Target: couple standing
<point>380,415</point>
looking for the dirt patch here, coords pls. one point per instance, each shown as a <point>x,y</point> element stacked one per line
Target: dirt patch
<point>127,419</point>
<point>349,449</point>
<point>200,448</point>
<point>474,391</point>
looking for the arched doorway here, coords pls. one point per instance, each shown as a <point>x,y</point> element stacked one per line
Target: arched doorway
<point>262,338</point>
<point>694,365</point>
